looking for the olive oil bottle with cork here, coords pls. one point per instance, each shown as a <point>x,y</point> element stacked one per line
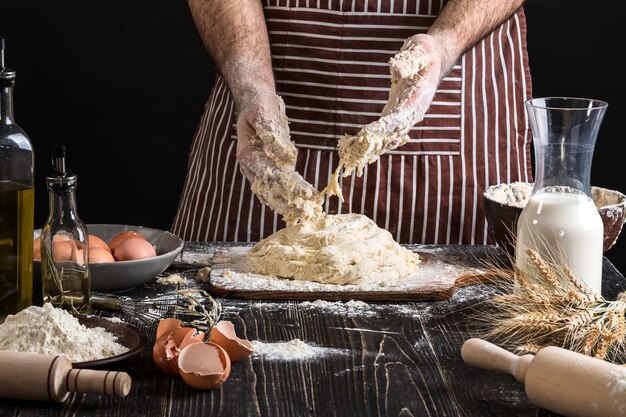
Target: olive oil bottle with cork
<point>16,203</point>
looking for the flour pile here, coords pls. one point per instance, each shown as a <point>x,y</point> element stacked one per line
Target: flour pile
<point>52,331</point>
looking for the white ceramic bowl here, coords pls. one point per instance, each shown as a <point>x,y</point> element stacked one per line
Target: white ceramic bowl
<point>125,275</point>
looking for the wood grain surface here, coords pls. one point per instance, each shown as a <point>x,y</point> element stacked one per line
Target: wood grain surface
<point>442,270</point>
<point>384,359</point>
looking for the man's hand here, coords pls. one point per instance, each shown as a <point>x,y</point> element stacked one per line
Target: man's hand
<point>267,158</point>
<point>263,132</point>
<point>415,74</point>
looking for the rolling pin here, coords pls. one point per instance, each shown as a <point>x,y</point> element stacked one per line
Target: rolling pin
<point>31,376</point>
<point>557,379</point>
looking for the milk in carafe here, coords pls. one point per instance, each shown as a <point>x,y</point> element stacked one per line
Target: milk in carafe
<point>565,228</point>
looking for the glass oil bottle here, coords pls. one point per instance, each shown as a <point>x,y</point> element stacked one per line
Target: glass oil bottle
<point>17,198</point>
<point>65,274</point>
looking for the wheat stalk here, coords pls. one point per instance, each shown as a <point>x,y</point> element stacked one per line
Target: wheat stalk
<point>551,306</point>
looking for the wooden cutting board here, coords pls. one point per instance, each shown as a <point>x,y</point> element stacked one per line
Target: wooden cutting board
<point>443,269</point>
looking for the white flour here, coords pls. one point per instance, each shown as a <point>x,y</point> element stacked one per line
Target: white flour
<point>349,309</point>
<point>173,279</point>
<point>295,349</point>
<point>515,194</point>
<point>617,382</point>
<point>203,274</point>
<point>52,331</point>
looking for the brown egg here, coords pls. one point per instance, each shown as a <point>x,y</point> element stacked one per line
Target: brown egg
<point>37,248</point>
<point>167,347</point>
<point>134,248</point>
<point>204,366</point>
<point>120,237</point>
<point>223,334</point>
<point>96,242</point>
<point>64,250</point>
<point>99,255</point>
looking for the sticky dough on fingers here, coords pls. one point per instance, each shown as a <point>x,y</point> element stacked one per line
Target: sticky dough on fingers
<point>273,135</point>
<point>284,191</point>
<point>405,107</point>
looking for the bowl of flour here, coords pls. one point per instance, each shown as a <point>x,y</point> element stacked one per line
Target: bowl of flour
<point>505,202</point>
<point>86,340</point>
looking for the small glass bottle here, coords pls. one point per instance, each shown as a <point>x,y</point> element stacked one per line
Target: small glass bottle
<point>66,281</point>
<point>17,198</point>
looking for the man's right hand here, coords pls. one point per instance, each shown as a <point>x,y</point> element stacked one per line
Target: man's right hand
<point>267,157</point>
<point>263,132</point>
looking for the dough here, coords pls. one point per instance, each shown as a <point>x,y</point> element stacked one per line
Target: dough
<point>335,249</point>
<point>288,194</point>
<point>282,153</point>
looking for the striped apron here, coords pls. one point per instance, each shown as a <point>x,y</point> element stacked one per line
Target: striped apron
<point>331,67</point>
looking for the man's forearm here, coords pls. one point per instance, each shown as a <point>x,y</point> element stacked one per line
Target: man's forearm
<point>235,34</point>
<point>462,23</point>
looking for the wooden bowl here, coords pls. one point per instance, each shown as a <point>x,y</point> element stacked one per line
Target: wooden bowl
<point>502,218</point>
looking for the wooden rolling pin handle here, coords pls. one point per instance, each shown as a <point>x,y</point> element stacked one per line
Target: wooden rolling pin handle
<point>482,354</point>
<point>30,376</point>
<point>86,381</point>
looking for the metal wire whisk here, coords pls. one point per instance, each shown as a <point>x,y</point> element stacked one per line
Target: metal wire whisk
<point>194,308</point>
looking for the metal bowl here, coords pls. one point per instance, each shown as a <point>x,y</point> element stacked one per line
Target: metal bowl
<point>122,276</point>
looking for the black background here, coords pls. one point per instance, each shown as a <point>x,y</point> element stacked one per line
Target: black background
<point>122,83</point>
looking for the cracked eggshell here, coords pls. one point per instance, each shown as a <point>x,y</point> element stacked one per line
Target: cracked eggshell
<point>223,334</point>
<point>204,366</point>
<point>167,347</point>
<point>166,325</point>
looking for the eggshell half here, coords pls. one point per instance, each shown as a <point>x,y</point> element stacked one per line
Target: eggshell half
<point>223,334</point>
<point>167,347</point>
<point>166,325</point>
<point>204,366</point>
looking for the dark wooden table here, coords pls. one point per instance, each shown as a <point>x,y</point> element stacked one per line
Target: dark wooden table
<point>389,359</point>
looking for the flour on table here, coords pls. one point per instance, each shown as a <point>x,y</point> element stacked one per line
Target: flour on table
<point>294,349</point>
<point>203,274</point>
<point>189,257</point>
<point>337,249</point>
<point>173,279</point>
<point>52,331</point>
<point>349,309</point>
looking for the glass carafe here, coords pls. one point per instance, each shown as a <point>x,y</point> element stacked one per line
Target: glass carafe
<point>560,221</point>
